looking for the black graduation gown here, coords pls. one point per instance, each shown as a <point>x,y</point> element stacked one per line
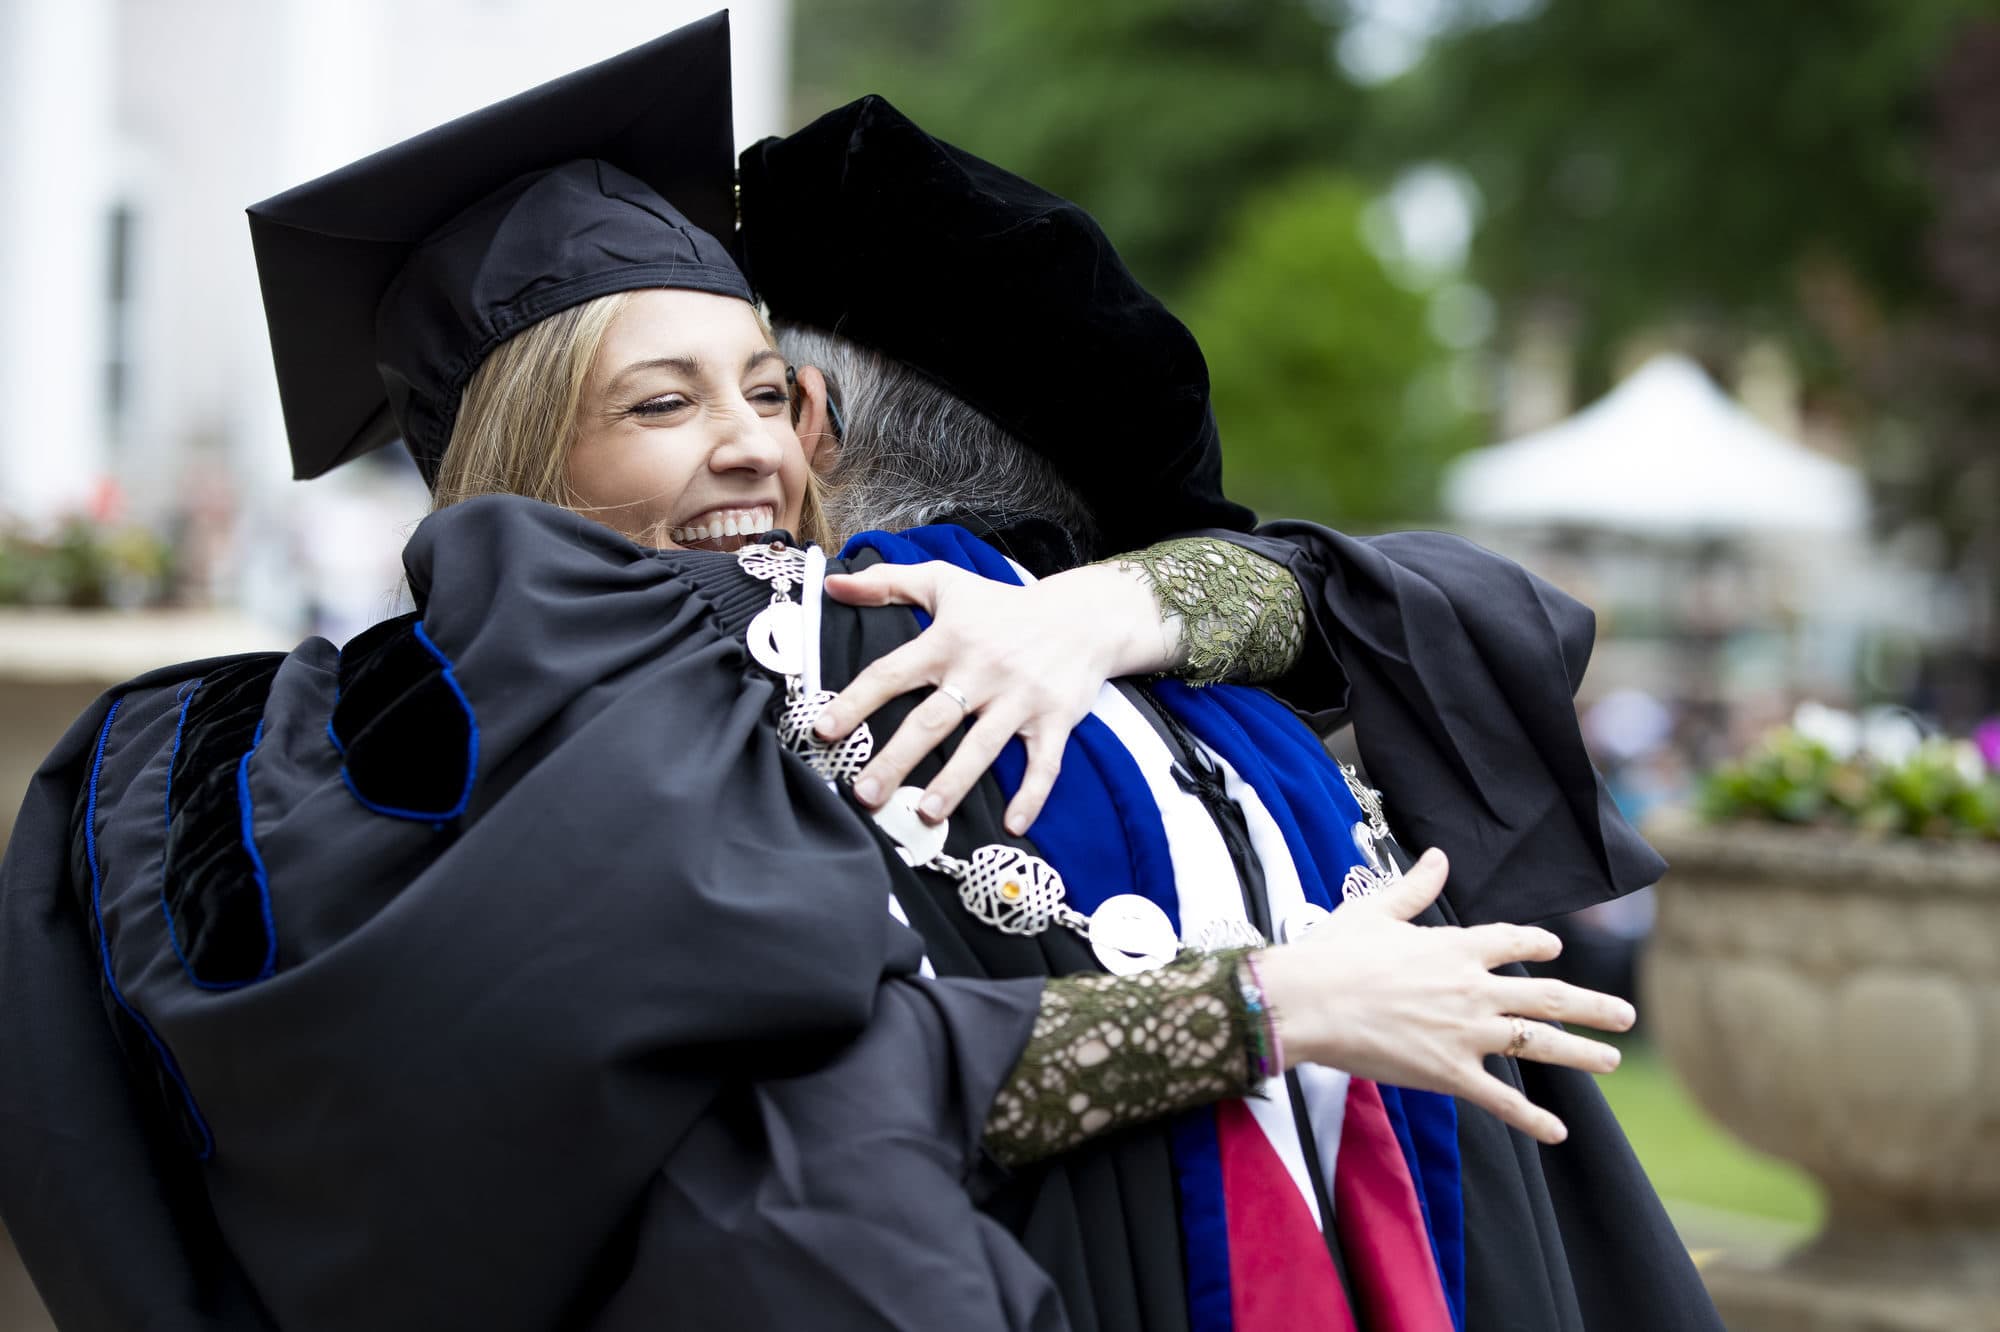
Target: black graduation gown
<point>1457,669</point>
<point>506,971</point>
<point>1460,670</point>
<point>1100,1219</point>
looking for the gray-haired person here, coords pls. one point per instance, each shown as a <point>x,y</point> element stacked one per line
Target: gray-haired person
<point>996,367</point>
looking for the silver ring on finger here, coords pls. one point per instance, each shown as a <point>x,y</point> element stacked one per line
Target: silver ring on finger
<point>957,696</point>
<point>1524,1031</point>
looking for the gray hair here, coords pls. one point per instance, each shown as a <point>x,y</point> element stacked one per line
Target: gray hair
<point>913,453</point>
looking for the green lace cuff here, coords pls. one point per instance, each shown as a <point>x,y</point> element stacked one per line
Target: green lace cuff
<point>1112,1051</point>
<point>1241,618</point>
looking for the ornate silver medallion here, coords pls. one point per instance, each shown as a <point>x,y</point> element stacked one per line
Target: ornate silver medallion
<point>841,761</point>
<point>783,567</point>
<point>1012,891</point>
<point>1363,881</point>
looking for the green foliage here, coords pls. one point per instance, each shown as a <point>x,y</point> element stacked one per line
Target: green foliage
<point>1692,1159</point>
<point>1330,390</point>
<point>1732,167</point>
<point>1160,116</point>
<point>1942,789</point>
<point>82,564</point>
<point>1650,161</point>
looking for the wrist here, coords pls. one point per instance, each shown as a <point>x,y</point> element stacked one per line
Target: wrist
<point>1131,636</point>
<point>1266,1041</point>
<point>1294,995</point>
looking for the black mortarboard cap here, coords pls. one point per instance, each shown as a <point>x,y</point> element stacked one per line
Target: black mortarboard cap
<point>1011,297</point>
<point>387,282</point>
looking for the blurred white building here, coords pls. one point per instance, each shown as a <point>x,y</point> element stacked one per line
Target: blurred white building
<point>132,135</point>
<point>1730,566</point>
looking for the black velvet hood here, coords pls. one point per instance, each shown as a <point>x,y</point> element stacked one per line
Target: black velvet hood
<point>1009,296</point>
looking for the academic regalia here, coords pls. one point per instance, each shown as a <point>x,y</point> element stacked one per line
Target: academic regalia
<point>1566,1237</point>
<point>1456,667</point>
<point>1102,1220</point>
<point>501,970</point>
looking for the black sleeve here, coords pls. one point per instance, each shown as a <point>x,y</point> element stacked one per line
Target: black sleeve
<point>837,1200</point>
<point>102,1201</point>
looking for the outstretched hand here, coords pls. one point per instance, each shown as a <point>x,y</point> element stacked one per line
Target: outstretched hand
<point>1026,661</point>
<point>1371,994</point>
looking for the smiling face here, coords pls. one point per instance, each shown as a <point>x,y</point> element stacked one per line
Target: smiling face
<point>684,433</point>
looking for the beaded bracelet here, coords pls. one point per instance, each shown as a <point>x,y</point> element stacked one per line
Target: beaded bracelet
<point>1270,1017</point>
<point>1267,1054</point>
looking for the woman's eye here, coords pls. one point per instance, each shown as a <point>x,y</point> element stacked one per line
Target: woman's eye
<point>770,397</point>
<point>661,406</point>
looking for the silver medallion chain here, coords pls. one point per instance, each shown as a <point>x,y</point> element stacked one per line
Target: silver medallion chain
<point>777,639</point>
<point>1370,837</point>
<point>1368,798</point>
<point>999,885</point>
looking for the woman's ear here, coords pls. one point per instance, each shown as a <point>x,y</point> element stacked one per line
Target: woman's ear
<point>817,434</point>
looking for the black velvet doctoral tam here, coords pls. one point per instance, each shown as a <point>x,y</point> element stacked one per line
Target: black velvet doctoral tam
<point>1010,296</point>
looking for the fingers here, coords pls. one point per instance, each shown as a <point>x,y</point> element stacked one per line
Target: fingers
<point>1511,1106</point>
<point>1407,897</point>
<point>888,585</point>
<point>1549,1045</point>
<point>1497,945</point>
<point>969,762</point>
<point>1044,766</point>
<point>911,666</point>
<point>921,732</point>
<point>1558,1001</point>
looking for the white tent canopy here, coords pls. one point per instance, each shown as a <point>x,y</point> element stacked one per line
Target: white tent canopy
<point>1666,453</point>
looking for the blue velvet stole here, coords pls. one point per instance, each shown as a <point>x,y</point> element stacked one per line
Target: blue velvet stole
<point>1104,834</point>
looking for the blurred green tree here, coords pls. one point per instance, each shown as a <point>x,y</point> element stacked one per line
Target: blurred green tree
<point>1743,168</point>
<point>1933,373</point>
<point>1695,161</point>
<point>1157,115</point>
<point>1332,393</point>
<point>1202,135</point>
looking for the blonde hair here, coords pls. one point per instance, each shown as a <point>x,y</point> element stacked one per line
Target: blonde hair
<point>518,416</point>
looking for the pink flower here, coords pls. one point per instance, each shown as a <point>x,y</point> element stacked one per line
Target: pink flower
<point>107,502</point>
<point>1986,736</point>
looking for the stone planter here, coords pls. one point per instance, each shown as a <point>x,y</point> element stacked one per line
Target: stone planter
<point>1835,1001</point>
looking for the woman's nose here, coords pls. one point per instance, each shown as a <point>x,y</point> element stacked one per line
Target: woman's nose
<point>743,443</point>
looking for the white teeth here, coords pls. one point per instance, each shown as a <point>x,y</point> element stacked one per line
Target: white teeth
<point>735,522</point>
